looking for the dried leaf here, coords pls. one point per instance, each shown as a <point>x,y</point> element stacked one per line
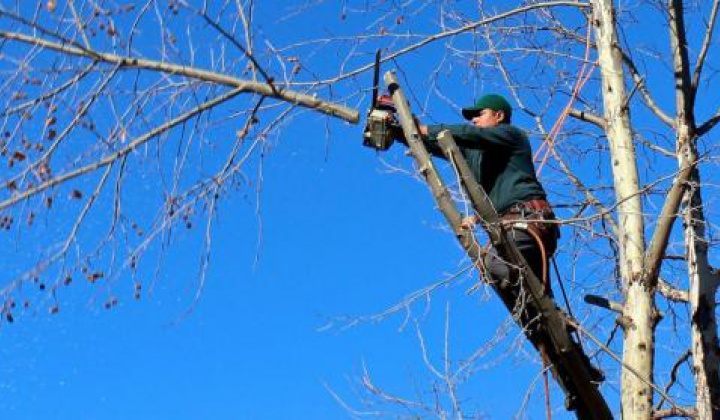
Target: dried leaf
<point>43,170</point>
<point>92,278</point>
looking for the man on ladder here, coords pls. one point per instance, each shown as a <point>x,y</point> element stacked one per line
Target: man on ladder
<point>500,158</point>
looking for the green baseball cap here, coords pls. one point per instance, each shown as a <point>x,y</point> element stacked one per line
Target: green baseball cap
<point>492,101</point>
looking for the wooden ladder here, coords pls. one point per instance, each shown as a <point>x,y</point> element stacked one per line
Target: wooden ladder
<point>544,324</point>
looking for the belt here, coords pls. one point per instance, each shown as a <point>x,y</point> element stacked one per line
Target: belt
<point>532,215</point>
<point>536,205</point>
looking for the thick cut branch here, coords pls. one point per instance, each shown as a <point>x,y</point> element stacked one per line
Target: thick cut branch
<point>244,86</point>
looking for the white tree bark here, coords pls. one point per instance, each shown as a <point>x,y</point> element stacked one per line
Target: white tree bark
<point>703,283</point>
<point>703,287</point>
<point>639,307</point>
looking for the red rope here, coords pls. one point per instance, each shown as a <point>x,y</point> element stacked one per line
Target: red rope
<point>546,364</point>
<point>583,77</point>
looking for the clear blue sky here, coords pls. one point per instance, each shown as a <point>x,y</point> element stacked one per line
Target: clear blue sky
<point>342,237</point>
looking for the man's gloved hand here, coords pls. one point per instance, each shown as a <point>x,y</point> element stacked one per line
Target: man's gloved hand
<point>385,102</point>
<point>396,129</point>
<point>416,120</point>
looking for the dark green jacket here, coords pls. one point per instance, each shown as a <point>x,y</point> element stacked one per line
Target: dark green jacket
<point>500,158</point>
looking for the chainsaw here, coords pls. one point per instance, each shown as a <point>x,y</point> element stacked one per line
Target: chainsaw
<point>382,122</point>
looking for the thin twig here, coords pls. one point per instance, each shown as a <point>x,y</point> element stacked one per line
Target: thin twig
<point>126,150</point>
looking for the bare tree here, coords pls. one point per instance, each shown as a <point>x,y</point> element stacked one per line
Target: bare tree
<point>85,108</point>
<point>158,109</point>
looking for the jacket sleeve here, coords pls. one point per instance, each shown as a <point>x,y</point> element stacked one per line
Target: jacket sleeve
<point>431,144</point>
<point>471,137</point>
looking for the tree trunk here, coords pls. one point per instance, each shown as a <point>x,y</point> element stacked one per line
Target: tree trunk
<point>703,282</point>
<point>703,287</point>
<point>639,345</point>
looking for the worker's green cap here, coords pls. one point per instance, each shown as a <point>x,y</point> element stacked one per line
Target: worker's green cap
<point>492,101</point>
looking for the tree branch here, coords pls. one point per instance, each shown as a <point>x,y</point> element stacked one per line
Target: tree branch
<point>708,125</point>
<point>268,79</point>
<point>671,292</point>
<point>673,375</point>
<point>617,358</point>
<point>47,95</point>
<point>294,97</point>
<point>120,153</point>
<point>446,34</point>
<point>637,78</point>
<point>705,46</point>
<point>589,117</point>
<point>78,23</point>
<point>685,412</point>
<point>603,212</point>
<point>645,93</point>
<point>684,94</point>
<point>666,219</point>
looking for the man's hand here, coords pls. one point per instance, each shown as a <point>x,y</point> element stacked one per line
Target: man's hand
<point>397,132</point>
<point>422,129</point>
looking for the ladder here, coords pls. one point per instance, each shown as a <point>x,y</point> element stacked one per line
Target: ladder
<point>545,325</point>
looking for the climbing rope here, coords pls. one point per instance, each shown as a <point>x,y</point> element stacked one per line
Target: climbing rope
<point>546,380</point>
<point>543,252</point>
<point>583,77</point>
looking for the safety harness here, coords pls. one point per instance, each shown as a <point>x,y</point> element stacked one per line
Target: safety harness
<point>533,217</point>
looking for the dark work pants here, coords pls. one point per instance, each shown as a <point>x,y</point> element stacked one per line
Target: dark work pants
<point>528,247</point>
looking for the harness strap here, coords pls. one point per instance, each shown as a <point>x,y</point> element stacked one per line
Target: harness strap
<point>533,231</point>
<point>516,217</point>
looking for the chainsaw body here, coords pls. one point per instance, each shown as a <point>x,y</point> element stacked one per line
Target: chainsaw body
<point>381,124</point>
